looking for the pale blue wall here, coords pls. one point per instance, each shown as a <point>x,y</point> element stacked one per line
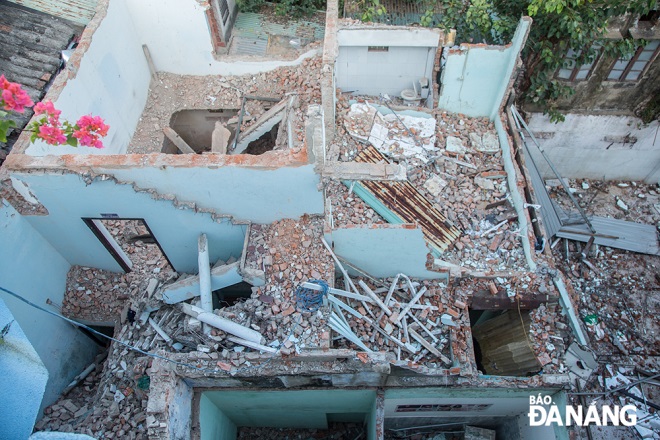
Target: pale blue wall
<point>22,382</point>
<point>32,268</point>
<point>68,198</point>
<point>213,423</point>
<point>291,409</point>
<point>384,251</point>
<point>112,81</point>
<point>475,79</point>
<point>258,195</point>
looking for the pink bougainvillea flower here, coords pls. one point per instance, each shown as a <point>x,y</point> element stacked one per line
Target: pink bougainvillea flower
<point>47,108</point>
<point>13,96</point>
<point>51,134</point>
<point>89,130</point>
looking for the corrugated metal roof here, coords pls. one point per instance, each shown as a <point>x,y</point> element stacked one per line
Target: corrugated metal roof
<point>409,205</point>
<point>252,31</point>
<point>78,11</point>
<point>619,234</point>
<point>635,237</point>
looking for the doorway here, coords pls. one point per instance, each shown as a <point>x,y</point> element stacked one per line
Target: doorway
<point>130,241</point>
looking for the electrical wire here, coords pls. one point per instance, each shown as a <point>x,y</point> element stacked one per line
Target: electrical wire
<point>130,347</point>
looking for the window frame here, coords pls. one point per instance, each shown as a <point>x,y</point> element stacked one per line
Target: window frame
<point>626,71</point>
<point>576,68</point>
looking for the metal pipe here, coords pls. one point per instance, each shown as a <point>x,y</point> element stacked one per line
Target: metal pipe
<point>204,277</point>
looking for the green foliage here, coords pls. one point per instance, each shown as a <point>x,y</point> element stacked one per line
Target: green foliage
<point>371,9</point>
<point>5,125</point>
<point>651,111</point>
<point>250,5</point>
<point>297,8</point>
<point>290,8</point>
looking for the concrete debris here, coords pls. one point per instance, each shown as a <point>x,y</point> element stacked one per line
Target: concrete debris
<point>172,93</point>
<point>471,198</point>
<point>455,145</point>
<point>397,136</point>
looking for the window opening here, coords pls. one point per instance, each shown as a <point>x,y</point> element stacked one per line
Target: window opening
<point>632,68</point>
<point>570,71</point>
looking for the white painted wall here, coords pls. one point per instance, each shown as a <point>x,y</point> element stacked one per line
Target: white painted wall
<point>384,251</point>
<point>589,146</point>
<point>178,37</point>
<point>22,382</point>
<point>410,56</point>
<point>476,77</point>
<point>257,195</point>
<point>112,82</point>
<point>34,269</point>
<point>68,198</point>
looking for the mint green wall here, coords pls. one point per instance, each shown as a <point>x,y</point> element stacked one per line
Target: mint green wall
<point>373,421</point>
<point>22,382</point>
<point>33,268</point>
<point>292,409</point>
<point>475,79</point>
<point>68,198</point>
<point>213,423</point>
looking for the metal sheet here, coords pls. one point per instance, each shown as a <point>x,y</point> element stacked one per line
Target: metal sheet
<point>550,218</point>
<point>409,205</point>
<point>636,237</point>
<point>77,11</point>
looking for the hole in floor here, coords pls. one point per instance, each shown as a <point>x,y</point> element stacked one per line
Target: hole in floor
<point>501,343</point>
<point>336,431</point>
<point>265,143</point>
<point>196,127</point>
<point>230,295</point>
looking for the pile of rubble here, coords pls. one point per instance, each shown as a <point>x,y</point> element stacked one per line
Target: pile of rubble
<point>171,93</point>
<point>348,209</point>
<point>619,300</point>
<point>452,160</point>
<point>631,201</point>
<point>110,403</point>
<point>338,431</point>
<point>619,385</point>
<point>617,291</point>
<point>549,335</point>
<point>289,252</point>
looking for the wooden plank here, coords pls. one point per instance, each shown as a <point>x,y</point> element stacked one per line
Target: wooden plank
<point>176,140</point>
<point>484,300</point>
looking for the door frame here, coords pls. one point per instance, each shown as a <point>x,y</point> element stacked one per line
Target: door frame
<point>108,241</point>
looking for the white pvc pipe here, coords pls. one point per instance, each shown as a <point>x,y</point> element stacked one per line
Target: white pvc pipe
<point>204,277</point>
<point>223,324</point>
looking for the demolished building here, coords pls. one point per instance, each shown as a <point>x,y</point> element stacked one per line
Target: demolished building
<point>325,225</point>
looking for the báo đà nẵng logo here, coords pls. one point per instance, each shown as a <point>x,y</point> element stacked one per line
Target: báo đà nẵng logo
<point>544,412</point>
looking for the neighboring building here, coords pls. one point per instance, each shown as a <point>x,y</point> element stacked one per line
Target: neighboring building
<point>252,162</point>
<point>612,118</point>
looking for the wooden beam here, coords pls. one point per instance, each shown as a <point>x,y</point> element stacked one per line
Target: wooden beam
<point>484,300</point>
<point>176,140</point>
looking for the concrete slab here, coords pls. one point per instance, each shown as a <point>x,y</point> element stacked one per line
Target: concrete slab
<point>182,290</point>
